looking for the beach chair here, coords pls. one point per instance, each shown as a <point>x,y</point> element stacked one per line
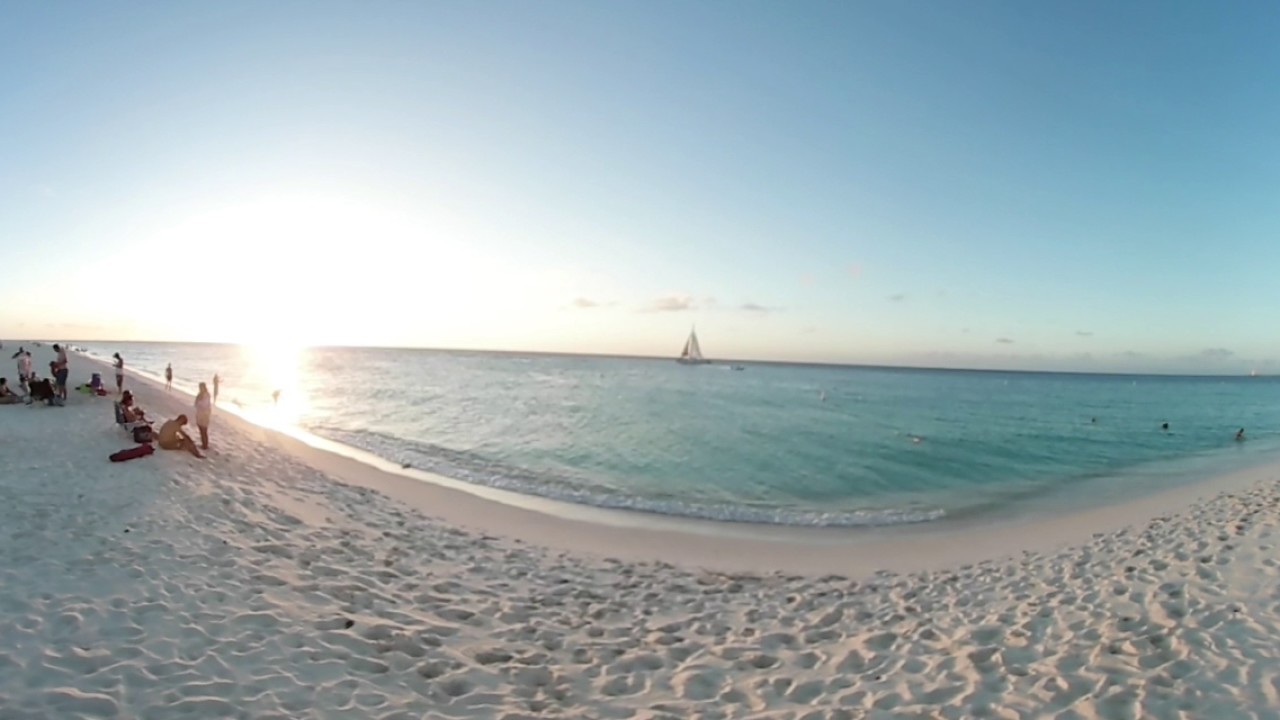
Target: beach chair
<point>124,422</point>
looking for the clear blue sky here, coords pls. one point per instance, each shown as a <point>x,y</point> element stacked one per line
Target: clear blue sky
<point>1068,185</point>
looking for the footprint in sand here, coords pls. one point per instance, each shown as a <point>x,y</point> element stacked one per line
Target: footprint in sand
<point>698,685</point>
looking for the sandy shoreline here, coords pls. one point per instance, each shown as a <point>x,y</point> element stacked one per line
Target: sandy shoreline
<point>252,585</point>
<point>725,547</point>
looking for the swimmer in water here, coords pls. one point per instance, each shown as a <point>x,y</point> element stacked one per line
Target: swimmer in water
<point>1240,435</point>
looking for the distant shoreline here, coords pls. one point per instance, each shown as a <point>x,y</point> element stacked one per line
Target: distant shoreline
<point>716,361</point>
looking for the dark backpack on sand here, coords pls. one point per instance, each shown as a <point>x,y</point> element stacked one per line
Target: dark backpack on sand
<point>142,434</point>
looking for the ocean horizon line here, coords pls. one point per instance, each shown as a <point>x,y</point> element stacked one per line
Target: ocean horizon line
<point>712,361</point>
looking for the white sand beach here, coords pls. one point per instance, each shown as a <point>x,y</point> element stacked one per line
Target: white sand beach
<point>274,580</point>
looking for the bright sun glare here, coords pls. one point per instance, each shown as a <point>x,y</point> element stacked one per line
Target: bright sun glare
<point>293,256</point>
<point>277,366</point>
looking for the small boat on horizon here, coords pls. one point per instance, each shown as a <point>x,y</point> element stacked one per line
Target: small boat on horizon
<point>692,352</point>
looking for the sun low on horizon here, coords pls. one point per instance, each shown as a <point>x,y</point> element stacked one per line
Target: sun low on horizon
<point>598,178</point>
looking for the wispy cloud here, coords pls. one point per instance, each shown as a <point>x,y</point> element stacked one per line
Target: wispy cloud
<point>1216,353</point>
<point>44,190</point>
<point>807,280</point>
<point>1004,340</point>
<point>671,303</point>
<point>1084,333</point>
<point>588,304</point>
<point>755,308</point>
<point>898,298</point>
<point>855,271</point>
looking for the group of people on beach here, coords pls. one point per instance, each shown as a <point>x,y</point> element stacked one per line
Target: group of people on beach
<point>31,387</point>
<point>53,390</point>
<point>172,434</point>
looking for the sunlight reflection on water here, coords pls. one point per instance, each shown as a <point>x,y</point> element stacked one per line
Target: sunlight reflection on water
<point>279,366</point>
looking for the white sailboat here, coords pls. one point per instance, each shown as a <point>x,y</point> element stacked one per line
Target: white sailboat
<point>692,353</point>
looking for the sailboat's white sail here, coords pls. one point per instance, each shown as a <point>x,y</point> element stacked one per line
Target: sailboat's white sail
<point>692,353</point>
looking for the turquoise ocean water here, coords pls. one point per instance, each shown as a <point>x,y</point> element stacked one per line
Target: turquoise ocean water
<point>778,444</point>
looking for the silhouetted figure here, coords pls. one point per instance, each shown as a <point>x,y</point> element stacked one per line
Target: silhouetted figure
<point>119,365</point>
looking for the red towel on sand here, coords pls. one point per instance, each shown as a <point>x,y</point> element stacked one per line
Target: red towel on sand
<point>142,450</point>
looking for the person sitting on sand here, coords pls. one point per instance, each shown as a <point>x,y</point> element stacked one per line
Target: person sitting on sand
<point>173,437</point>
<point>1240,435</point>
<point>7,396</point>
<point>41,391</point>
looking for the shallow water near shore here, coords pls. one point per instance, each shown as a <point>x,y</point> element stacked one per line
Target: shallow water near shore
<point>773,444</point>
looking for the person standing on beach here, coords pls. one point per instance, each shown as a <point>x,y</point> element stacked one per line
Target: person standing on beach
<point>168,377</point>
<point>119,363</point>
<point>61,370</point>
<point>216,382</point>
<point>24,370</point>
<point>204,411</point>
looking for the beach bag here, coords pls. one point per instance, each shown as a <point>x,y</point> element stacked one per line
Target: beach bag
<point>142,434</point>
<point>131,453</point>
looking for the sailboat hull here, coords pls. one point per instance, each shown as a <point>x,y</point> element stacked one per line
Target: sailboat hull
<point>692,361</point>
